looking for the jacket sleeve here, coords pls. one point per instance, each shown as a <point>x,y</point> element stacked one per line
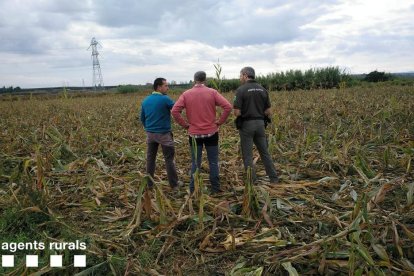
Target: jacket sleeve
<point>267,102</point>
<point>223,103</point>
<point>237,102</point>
<point>176,112</point>
<point>170,103</point>
<point>142,116</point>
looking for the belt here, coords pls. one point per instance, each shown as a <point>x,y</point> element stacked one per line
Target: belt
<point>252,118</point>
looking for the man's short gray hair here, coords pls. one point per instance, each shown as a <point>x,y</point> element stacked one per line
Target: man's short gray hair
<point>200,76</point>
<point>249,71</point>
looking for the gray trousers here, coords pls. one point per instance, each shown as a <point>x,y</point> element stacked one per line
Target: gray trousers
<point>253,131</point>
<point>167,144</point>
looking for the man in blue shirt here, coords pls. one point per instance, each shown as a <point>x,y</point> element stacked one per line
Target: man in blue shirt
<point>156,119</point>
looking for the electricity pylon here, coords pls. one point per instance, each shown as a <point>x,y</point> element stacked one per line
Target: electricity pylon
<point>97,79</point>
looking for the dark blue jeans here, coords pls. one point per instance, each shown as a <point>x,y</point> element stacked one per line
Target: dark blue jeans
<point>211,146</point>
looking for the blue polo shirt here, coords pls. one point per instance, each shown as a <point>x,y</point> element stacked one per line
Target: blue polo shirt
<point>155,113</point>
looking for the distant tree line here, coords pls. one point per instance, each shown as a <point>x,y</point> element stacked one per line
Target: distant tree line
<point>319,78</point>
<point>132,88</point>
<point>376,76</point>
<point>10,89</point>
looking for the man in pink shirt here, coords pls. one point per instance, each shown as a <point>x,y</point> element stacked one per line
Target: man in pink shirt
<point>202,124</point>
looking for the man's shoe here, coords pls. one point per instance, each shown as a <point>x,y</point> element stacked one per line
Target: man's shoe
<point>177,187</point>
<point>274,181</point>
<point>216,191</point>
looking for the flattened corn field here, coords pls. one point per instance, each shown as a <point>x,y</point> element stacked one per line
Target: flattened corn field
<point>73,168</point>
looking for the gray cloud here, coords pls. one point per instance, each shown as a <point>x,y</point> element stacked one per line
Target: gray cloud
<point>230,23</point>
<point>37,26</point>
<point>142,39</point>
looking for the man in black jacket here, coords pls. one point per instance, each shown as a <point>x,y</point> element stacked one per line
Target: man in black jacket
<point>251,107</point>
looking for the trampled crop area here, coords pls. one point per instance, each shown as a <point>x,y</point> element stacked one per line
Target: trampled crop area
<point>73,169</point>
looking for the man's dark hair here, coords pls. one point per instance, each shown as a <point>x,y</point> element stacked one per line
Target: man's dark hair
<point>249,71</point>
<point>200,76</point>
<point>158,82</point>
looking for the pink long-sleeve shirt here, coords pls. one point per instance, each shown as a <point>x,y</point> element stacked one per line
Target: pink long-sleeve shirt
<point>200,104</point>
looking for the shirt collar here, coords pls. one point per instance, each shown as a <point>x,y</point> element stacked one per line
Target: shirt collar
<point>157,93</point>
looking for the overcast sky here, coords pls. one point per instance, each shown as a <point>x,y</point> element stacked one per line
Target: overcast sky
<point>44,42</point>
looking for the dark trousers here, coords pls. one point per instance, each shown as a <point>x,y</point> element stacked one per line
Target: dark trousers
<point>211,145</point>
<point>253,131</point>
<point>168,150</point>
